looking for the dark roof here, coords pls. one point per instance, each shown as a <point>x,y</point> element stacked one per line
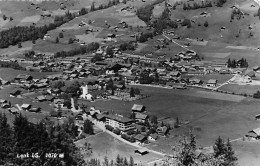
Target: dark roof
<point>140,116</point>
<point>140,137</point>
<point>119,118</point>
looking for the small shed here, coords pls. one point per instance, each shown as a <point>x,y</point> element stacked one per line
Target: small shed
<point>254,133</point>
<point>142,151</point>
<point>138,108</point>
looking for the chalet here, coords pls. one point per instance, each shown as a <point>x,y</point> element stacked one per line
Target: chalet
<point>138,108</point>
<point>254,133</point>
<point>251,74</point>
<point>256,68</point>
<point>35,109</point>
<point>140,138</point>
<point>13,110</point>
<point>58,103</point>
<point>5,82</point>
<point>23,77</point>
<point>162,130</point>
<point>212,82</point>
<point>5,105</point>
<point>119,122</point>
<point>101,118</point>
<point>195,81</point>
<point>49,98</point>
<point>153,137</point>
<point>40,98</point>
<point>15,93</point>
<point>176,85</point>
<point>26,107</point>
<point>3,101</point>
<point>111,35</point>
<point>141,151</point>
<point>257,117</point>
<point>140,117</point>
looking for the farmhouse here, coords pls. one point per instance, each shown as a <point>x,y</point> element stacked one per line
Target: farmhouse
<point>153,137</point>
<point>162,130</point>
<point>254,133</point>
<point>26,107</point>
<point>140,117</point>
<point>23,77</point>
<point>140,138</point>
<point>15,93</point>
<point>138,108</point>
<point>119,122</point>
<point>212,82</point>
<point>141,151</point>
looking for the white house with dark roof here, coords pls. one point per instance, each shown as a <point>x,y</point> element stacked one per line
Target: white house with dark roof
<point>119,122</point>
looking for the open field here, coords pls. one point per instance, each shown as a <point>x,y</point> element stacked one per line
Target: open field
<point>13,51</point>
<point>105,145</point>
<point>240,89</point>
<point>48,46</point>
<point>248,153</point>
<point>9,73</point>
<point>210,114</point>
<point>222,78</point>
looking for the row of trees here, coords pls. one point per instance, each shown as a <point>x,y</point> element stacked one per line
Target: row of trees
<point>237,63</point>
<point>119,161</point>
<point>20,34</point>
<point>187,6</point>
<point>13,65</point>
<point>80,50</point>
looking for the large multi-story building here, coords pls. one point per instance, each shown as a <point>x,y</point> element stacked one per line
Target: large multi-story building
<point>119,122</point>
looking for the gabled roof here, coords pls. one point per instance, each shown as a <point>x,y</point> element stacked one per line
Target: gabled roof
<point>137,107</point>
<point>212,81</point>
<point>25,106</point>
<point>140,137</point>
<point>255,131</point>
<point>140,116</point>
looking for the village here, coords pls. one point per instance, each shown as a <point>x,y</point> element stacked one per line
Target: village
<point>134,78</point>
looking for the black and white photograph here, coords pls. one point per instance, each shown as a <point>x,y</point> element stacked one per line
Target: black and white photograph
<point>129,82</point>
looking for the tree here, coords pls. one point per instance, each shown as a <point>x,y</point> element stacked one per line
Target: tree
<point>219,147</point>
<point>154,119</point>
<point>70,41</point>
<point>106,162</point>
<point>206,24</point>
<point>57,40</point>
<point>132,93</point>
<point>61,35</point>
<point>109,51</point>
<point>4,17</point>
<point>125,163</point>
<point>137,91</point>
<point>88,127</point>
<point>92,8</point>
<point>11,18</point>
<point>131,162</point>
<point>33,41</point>
<point>83,11</point>
<point>229,64</point>
<point>19,45</point>
<point>230,157</point>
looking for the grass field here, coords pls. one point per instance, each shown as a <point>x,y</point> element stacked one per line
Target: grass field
<point>9,73</point>
<point>240,89</point>
<point>105,145</point>
<point>210,114</point>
